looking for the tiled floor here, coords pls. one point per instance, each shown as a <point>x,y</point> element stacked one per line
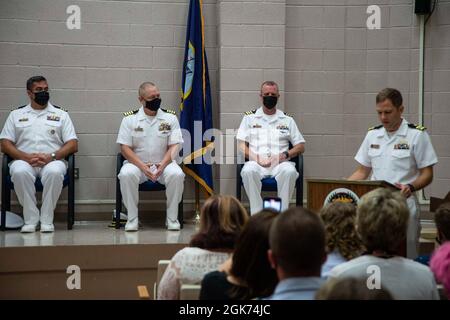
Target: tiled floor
<point>98,233</point>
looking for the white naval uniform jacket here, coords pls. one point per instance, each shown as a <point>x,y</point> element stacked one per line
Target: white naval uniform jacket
<point>397,158</point>
<point>150,138</point>
<point>271,135</point>
<point>38,131</point>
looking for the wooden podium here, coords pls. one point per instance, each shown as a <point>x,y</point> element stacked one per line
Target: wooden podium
<point>319,189</point>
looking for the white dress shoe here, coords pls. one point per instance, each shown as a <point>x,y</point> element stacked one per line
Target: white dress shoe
<point>28,228</point>
<point>47,227</point>
<point>132,225</point>
<point>172,225</point>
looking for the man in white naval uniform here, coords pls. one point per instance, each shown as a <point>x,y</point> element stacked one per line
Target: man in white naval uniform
<point>400,153</point>
<point>38,137</point>
<point>264,136</point>
<point>149,139</point>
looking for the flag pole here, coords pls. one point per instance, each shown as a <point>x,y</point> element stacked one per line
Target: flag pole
<point>197,202</point>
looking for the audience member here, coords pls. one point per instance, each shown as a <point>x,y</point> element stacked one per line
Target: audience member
<point>247,274</point>
<point>382,221</point>
<point>342,240</point>
<point>221,221</point>
<point>297,252</point>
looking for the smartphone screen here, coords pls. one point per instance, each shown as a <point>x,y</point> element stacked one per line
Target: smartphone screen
<point>272,203</point>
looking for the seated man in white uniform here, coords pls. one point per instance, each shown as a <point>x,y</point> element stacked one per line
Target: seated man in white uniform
<point>264,136</point>
<point>149,139</point>
<point>38,137</point>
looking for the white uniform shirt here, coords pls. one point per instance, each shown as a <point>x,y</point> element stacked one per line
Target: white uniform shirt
<point>35,131</point>
<point>397,158</point>
<point>405,279</point>
<point>271,135</point>
<point>148,138</point>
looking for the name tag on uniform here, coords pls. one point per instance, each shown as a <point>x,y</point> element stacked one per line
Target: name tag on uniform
<point>257,126</point>
<point>23,119</point>
<point>138,129</point>
<point>375,146</point>
<point>53,118</point>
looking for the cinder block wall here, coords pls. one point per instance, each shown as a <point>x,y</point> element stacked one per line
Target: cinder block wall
<point>335,66</point>
<point>328,64</point>
<point>95,72</point>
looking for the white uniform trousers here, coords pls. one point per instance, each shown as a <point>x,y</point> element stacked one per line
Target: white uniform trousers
<point>131,177</point>
<point>284,173</point>
<point>23,175</point>
<point>413,232</point>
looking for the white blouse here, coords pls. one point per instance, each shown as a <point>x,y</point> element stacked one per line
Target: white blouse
<point>188,266</point>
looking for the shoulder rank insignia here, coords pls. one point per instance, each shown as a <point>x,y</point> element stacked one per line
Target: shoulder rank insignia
<point>60,108</point>
<point>169,111</point>
<point>247,113</point>
<point>21,107</point>
<point>131,112</point>
<point>376,127</point>
<point>288,114</point>
<point>415,126</point>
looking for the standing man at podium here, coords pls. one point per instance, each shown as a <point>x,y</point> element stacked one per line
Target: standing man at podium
<point>400,153</point>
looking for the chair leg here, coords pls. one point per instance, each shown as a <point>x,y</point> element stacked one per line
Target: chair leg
<point>181,213</point>
<point>71,205</point>
<point>70,211</point>
<point>6,205</point>
<point>299,193</point>
<point>8,200</point>
<point>3,214</point>
<point>118,203</point>
<point>238,189</point>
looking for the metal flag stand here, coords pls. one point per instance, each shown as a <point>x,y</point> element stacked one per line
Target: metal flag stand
<point>197,203</point>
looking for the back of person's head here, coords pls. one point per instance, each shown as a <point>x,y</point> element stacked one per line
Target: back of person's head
<point>297,243</point>
<point>339,220</point>
<point>440,266</point>
<point>442,219</point>
<point>250,264</point>
<point>350,289</point>
<point>221,221</point>
<point>382,220</point>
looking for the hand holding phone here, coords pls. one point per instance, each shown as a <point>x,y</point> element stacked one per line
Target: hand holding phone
<point>273,203</point>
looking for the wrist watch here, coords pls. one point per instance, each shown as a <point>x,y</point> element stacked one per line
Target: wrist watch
<point>286,153</point>
<point>411,187</point>
<point>53,156</point>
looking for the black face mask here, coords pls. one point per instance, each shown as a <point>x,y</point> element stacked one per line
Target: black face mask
<point>153,105</point>
<point>270,101</point>
<point>41,98</point>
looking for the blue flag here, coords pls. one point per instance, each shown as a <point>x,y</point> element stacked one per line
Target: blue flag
<point>196,98</point>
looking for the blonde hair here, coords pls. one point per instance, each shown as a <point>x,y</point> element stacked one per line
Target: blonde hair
<point>382,220</point>
<point>339,220</point>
